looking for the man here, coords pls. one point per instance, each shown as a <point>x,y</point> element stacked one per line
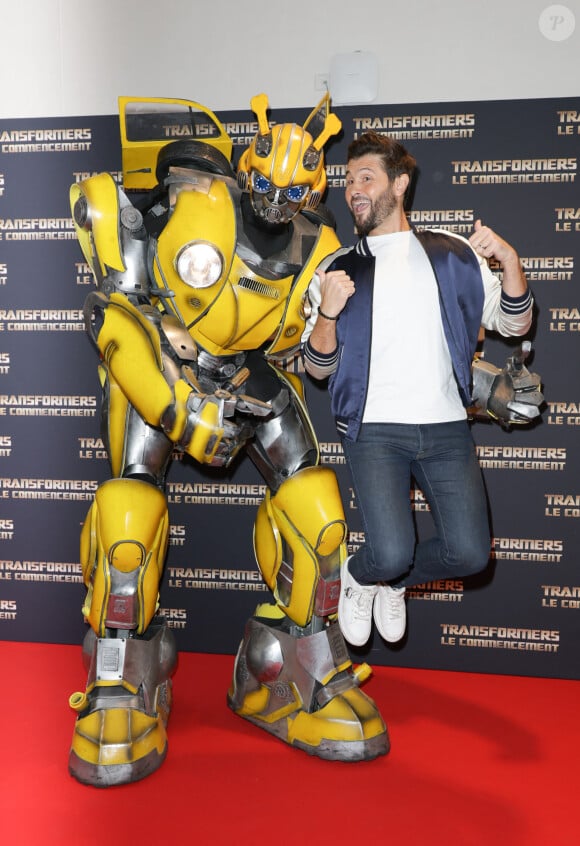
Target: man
<point>394,325</point>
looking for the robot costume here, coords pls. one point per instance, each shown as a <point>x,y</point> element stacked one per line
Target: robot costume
<point>200,298</point>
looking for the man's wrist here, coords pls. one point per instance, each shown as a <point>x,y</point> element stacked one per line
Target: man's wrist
<point>326,316</point>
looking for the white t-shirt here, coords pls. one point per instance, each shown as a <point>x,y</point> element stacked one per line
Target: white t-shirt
<point>405,387</point>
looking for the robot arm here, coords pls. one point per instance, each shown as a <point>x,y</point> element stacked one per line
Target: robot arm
<point>511,395</point>
<point>130,346</point>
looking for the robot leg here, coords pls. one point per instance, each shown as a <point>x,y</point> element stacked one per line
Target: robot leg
<point>129,653</point>
<point>293,676</point>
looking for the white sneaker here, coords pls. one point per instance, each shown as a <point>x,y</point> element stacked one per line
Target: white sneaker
<point>355,607</point>
<point>390,613</point>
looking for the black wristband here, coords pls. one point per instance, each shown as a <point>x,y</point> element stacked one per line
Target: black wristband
<point>327,316</point>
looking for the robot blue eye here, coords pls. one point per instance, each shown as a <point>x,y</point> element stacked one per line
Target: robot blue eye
<point>260,183</point>
<point>296,193</point>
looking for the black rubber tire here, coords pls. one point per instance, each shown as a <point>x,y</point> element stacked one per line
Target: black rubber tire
<point>195,154</point>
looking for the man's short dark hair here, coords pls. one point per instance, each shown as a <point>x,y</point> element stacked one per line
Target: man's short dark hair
<point>394,157</point>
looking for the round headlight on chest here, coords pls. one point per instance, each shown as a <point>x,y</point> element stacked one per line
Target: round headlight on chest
<point>199,264</point>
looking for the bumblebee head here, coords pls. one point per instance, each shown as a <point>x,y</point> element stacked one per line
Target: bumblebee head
<point>283,168</point>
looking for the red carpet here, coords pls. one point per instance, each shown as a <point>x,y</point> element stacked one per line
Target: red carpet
<point>475,759</point>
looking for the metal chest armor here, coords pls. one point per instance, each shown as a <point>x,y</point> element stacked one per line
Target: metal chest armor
<point>257,302</point>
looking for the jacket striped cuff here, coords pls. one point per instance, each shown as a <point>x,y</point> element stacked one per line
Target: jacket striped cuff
<point>516,305</point>
<point>323,364</point>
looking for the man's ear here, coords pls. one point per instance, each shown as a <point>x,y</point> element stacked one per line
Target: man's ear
<point>401,184</point>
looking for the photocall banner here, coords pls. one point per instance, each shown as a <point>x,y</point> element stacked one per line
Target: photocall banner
<point>512,164</point>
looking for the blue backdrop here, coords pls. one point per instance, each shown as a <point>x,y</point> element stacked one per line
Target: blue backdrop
<point>514,164</point>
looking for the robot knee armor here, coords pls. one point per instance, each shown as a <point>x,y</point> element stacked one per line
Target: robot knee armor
<point>123,545</point>
<point>299,541</point>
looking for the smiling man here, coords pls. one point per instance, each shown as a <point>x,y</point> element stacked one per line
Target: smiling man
<point>394,324</point>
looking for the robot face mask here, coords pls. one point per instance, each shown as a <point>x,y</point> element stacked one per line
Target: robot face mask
<point>283,168</point>
<point>273,204</point>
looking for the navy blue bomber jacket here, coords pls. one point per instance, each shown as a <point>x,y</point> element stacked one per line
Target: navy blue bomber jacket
<point>461,298</point>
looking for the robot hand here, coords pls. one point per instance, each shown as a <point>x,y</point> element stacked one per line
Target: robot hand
<point>510,396</point>
<point>210,429</point>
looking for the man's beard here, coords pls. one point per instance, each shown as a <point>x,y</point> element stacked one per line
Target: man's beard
<point>380,209</point>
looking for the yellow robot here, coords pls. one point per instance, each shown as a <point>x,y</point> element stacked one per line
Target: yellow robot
<point>201,279</point>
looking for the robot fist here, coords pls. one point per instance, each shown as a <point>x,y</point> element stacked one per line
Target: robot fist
<point>510,396</point>
<point>194,421</point>
<point>206,427</point>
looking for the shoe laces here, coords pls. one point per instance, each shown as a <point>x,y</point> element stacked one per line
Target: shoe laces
<point>395,601</point>
<point>362,602</point>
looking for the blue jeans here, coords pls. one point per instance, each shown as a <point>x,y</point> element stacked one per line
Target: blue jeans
<point>441,458</point>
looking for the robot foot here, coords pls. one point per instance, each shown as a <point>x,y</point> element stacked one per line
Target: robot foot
<point>120,733</point>
<point>116,745</point>
<point>303,689</point>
